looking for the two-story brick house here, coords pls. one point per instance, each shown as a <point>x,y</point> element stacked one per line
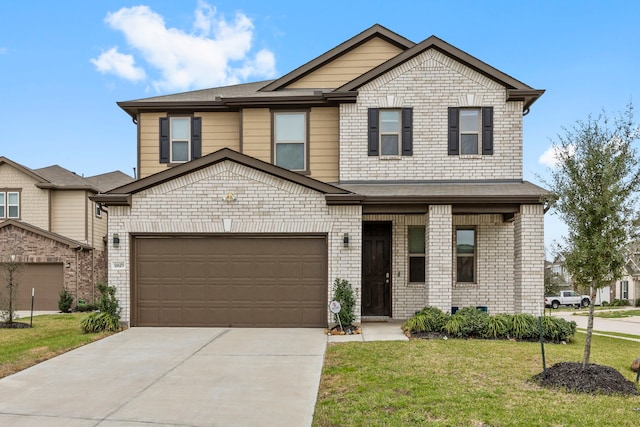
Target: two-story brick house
<point>396,166</point>
<point>53,231</point>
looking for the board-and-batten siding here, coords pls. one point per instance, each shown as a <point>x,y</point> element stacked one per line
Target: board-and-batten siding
<point>348,66</point>
<point>68,214</point>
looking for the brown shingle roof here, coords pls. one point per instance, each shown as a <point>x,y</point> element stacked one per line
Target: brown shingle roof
<point>110,180</point>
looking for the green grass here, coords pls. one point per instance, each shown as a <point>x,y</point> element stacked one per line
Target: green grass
<point>50,336</point>
<point>465,383</point>
<point>615,334</point>
<point>617,314</point>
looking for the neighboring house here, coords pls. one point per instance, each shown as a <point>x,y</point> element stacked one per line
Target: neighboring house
<point>628,287</point>
<point>54,231</point>
<point>394,165</point>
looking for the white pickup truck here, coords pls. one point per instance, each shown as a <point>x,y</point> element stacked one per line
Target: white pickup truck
<point>566,298</point>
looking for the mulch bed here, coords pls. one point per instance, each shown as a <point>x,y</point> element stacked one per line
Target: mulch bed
<point>13,325</point>
<point>594,379</point>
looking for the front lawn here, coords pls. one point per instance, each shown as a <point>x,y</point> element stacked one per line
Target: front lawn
<point>466,383</point>
<point>50,336</point>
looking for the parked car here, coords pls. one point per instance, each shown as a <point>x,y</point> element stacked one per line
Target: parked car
<point>568,298</point>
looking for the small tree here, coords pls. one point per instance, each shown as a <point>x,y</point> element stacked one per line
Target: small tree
<point>10,268</point>
<point>594,190</point>
<point>343,293</point>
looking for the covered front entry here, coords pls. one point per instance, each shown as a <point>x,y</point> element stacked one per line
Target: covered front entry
<point>224,280</point>
<point>46,282</point>
<point>376,269</point>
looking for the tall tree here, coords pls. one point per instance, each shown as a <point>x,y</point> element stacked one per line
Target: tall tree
<point>594,190</point>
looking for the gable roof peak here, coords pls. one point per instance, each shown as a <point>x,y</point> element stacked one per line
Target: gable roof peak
<point>375,30</point>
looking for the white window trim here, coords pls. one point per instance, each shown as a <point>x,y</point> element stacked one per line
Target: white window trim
<point>304,142</point>
<point>3,203</point>
<point>478,153</point>
<point>171,139</point>
<point>398,133</point>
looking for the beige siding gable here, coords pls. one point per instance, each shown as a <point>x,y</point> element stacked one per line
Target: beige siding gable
<point>68,214</point>
<point>348,66</point>
<point>149,145</point>
<point>34,202</point>
<point>256,133</point>
<point>324,148</point>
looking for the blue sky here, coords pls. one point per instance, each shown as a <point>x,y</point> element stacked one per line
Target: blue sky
<point>64,65</point>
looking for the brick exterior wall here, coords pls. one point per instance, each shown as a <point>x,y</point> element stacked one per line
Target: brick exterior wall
<point>430,83</point>
<point>195,203</point>
<point>529,259</point>
<point>84,267</point>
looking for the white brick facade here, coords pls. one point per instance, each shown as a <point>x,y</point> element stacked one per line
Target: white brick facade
<point>430,83</point>
<point>195,203</point>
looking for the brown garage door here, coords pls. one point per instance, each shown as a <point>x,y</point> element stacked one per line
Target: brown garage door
<point>264,281</point>
<point>45,279</point>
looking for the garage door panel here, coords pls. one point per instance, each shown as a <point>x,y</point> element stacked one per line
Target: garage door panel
<point>45,279</point>
<point>268,281</point>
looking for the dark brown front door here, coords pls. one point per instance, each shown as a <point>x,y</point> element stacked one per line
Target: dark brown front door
<point>376,269</point>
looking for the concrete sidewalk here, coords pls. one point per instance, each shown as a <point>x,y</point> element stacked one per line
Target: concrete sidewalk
<point>173,376</point>
<point>373,331</point>
<point>624,325</point>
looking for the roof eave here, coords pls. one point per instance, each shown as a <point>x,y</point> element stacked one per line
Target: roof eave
<point>112,199</point>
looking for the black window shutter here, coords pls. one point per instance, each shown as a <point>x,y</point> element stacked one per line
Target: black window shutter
<point>196,137</point>
<point>164,140</point>
<point>373,131</point>
<point>407,131</point>
<point>454,131</point>
<point>487,130</point>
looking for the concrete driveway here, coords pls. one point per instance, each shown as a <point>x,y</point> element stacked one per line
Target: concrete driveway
<point>173,376</point>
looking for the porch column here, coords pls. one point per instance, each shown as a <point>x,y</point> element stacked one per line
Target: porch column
<point>439,241</point>
<point>528,259</point>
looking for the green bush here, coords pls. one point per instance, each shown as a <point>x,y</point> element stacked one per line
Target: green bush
<point>455,327</point>
<point>429,319</point>
<point>619,303</point>
<point>343,293</point>
<point>523,327</point>
<point>497,327</point>
<point>637,302</point>
<point>474,320</point>
<point>108,317</point>
<point>65,301</point>
<point>87,307</point>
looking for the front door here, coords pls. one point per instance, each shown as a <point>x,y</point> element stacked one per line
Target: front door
<point>376,269</point>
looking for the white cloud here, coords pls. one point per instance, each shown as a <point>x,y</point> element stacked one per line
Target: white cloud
<point>119,64</point>
<point>217,52</point>
<point>550,157</point>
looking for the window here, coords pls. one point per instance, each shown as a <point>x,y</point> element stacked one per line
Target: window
<point>390,132</point>
<point>390,135</point>
<point>465,255</point>
<point>98,210</point>
<point>470,131</point>
<point>180,139</point>
<point>9,204</point>
<point>624,289</point>
<point>290,140</point>
<point>416,240</point>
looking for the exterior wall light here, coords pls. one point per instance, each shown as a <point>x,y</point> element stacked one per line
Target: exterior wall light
<point>345,240</point>
<point>116,240</point>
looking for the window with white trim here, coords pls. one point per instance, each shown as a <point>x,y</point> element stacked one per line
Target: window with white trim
<point>469,130</point>
<point>390,132</point>
<point>9,204</point>
<point>290,138</point>
<point>180,139</point>
<point>98,210</point>
<point>624,289</point>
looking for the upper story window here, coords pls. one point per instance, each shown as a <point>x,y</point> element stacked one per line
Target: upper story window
<point>180,139</point>
<point>465,255</point>
<point>9,204</point>
<point>470,131</point>
<point>290,140</point>
<point>390,132</point>
<point>98,210</point>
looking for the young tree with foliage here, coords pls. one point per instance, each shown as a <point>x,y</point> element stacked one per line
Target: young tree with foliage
<point>594,189</point>
<point>10,268</point>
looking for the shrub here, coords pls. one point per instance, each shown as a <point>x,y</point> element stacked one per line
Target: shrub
<point>65,301</point>
<point>637,302</point>
<point>455,326</point>
<point>475,321</point>
<point>429,319</point>
<point>523,327</point>
<point>497,327</point>
<point>343,293</point>
<point>619,302</point>
<point>87,307</point>
<point>108,317</point>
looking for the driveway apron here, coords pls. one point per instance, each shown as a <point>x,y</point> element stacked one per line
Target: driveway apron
<point>173,376</point>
